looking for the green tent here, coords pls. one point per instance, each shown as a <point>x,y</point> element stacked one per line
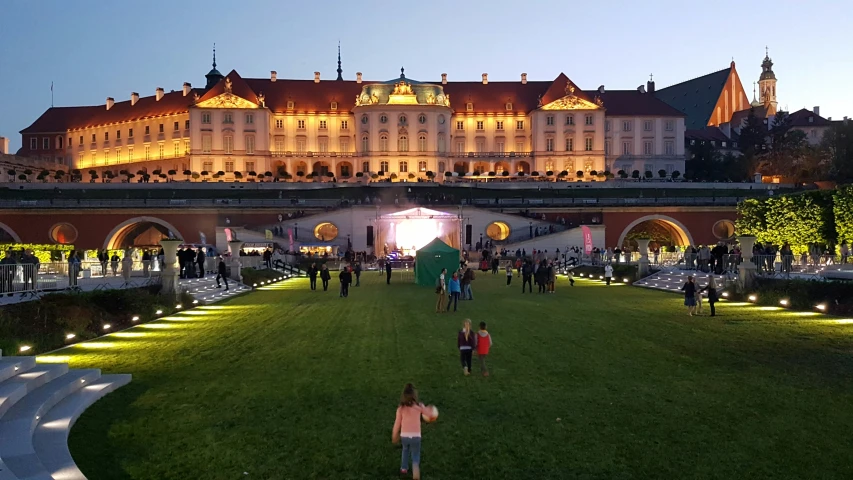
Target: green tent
<point>431,258</point>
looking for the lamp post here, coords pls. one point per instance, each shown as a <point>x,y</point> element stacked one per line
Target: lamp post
<point>296,231</point>
<point>169,274</point>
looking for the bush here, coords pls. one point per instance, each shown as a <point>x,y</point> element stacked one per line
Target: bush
<point>252,276</point>
<point>620,271</point>
<point>802,294</point>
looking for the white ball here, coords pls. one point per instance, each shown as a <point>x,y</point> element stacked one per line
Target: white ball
<point>432,414</point>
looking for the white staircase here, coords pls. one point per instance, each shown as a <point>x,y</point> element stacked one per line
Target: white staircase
<point>204,290</point>
<point>39,404</point>
<point>672,280</point>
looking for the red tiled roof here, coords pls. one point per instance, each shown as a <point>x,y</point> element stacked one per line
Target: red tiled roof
<point>634,103</point>
<point>800,118</point>
<point>60,119</point>
<point>306,95</point>
<point>493,96</point>
<point>707,133</point>
<point>739,117</point>
<point>239,87</point>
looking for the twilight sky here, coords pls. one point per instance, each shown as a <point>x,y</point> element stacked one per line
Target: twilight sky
<point>93,49</point>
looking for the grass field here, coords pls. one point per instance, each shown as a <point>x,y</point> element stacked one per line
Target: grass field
<point>589,383</point>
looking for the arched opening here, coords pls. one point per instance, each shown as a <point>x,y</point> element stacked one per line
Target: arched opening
<point>301,167</point>
<point>63,233</point>
<point>498,231</point>
<point>460,167</point>
<point>140,232</point>
<point>321,168</point>
<point>7,235</point>
<point>724,230</point>
<point>664,232</point>
<point>522,166</point>
<point>481,168</point>
<point>344,170</point>
<point>325,231</point>
<point>501,167</point>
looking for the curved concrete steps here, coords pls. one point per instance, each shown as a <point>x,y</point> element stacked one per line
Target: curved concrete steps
<point>38,406</point>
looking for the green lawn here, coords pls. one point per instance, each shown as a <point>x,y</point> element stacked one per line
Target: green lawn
<point>589,383</point>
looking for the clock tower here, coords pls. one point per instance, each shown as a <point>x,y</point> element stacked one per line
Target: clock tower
<point>767,85</point>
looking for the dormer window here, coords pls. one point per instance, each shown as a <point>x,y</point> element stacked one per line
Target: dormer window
<point>811,119</point>
<point>469,107</point>
<point>290,105</point>
<point>334,105</point>
<point>509,106</point>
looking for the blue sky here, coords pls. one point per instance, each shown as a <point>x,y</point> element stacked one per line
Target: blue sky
<point>94,49</point>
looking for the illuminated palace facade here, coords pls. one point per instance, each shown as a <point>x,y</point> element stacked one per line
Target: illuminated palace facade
<point>400,127</point>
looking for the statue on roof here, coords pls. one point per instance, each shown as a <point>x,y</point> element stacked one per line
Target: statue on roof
<point>261,98</point>
<point>570,89</point>
<point>227,85</point>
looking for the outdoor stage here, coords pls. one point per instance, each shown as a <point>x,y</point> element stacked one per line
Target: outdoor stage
<point>409,230</point>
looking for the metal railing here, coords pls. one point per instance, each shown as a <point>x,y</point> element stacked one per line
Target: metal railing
<point>28,279</point>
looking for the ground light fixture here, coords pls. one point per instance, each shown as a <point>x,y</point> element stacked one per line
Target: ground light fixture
<point>626,280</point>
<point>783,302</point>
<point>254,284</point>
<point>178,306</point>
<point>70,336</point>
<point>195,302</point>
<point>753,298</point>
<point>601,277</point>
<point>725,294</point>
<point>159,312</point>
<point>135,318</point>
<point>24,348</point>
<point>820,306</point>
<point>107,326</point>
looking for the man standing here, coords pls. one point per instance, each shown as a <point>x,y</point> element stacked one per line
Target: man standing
<point>387,272</point>
<point>608,273</point>
<point>221,273</point>
<point>312,276</point>
<point>199,259</point>
<point>346,278</point>
<point>31,269</point>
<point>268,258</point>
<point>526,276</point>
<point>7,272</point>
<point>357,271</point>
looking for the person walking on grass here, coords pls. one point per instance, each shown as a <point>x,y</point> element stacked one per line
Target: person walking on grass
<point>455,290</point>
<point>571,276</point>
<point>346,279</point>
<point>407,429</point>
<point>325,276</point>
<point>711,288</point>
<point>608,273</point>
<point>508,274</point>
<point>357,272</point>
<point>466,341</point>
<point>221,274</point>
<point>312,276</point>
<point>467,286</point>
<point>698,296</point>
<point>552,277</point>
<point>526,276</point>
<point>440,291</point>
<point>484,343</point>
<point>387,272</point>
<point>689,289</point>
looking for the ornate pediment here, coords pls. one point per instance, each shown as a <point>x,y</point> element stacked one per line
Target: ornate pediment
<point>572,102</point>
<point>227,100</point>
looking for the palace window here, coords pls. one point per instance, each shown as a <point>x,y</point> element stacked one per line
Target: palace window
<point>569,165</point>
<point>229,166</point>
<point>481,145</point>
<point>300,145</point>
<point>228,144</point>
<point>162,127</point>
<point>205,118</point>
<point>647,125</point>
<point>607,126</point>
<point>227,118</point>
<point>499,168</point>
<point>383,166</point>
<point>383,143</point>
<point>186,124</point>
<point>648,149</point>
<point>404,167</point>
<point>334,106</point>
<point>322,124</point>
<point>587,144</point>
<point>94,157</point>
<point>250,144</point>
<point>177,149</point>
<point>460,125</point>
<point>570,120</point>
<point>300,124</point>
<point>250,119</point>
<point>499,146</point>
<point>250,167</point>
<point>441,167</point>
<point>344,145</point>
<point>499,125</point>
<point>519,146</point>
<point>669,125</point>
<point>279,145</point>
<point>570,144</point>
<point>344,125</point>
<point>422,119</point>
<point>441,143</point>
<point>422,143</point>
<point>588,120</point>
<point>403,144</point>
<point>118,155</point>
<point>480,125</point>
<point>207,166</point>
<point>206,143</point>
<point>106,139</point>
<point>34,144</point>
<point>161,151</point>
<point>460,147</point>
<point>519,124</point>
<point>279,123</point>
<point>626,148</point>
<point>365,167</point>
<point>403,119</point>
<point>147,152</point>
<point>365,144</point>
<point>80,157</point>
<point>549,144</point>
<point>549,165</point>
<point>383,118</point>
<point>106,156</point>
<point>118,135</point>
<point>669,147</point>
<point>549,120</point>
<point>177,126</point>
<point>129,154</point>
<point>422,166</point>
<point>147,131</point>
<point>323,145</point>
<point>607,147</point>
<point>81,137</point>
<point>626,125</point>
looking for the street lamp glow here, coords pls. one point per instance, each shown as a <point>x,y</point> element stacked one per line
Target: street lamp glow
<point>24,348</point>
<point>70,336</point>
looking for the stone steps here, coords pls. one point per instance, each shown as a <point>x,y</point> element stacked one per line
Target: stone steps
<point>204,290</point>
<point>39,404</point>
<point>672,281</point>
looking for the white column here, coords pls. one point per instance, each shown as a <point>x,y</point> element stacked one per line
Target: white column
<point>643,263</point>
<point>746,269</point>
<point>169,273</point>
<point>236,265</point>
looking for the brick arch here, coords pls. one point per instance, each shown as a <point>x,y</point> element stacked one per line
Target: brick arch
<point>112,239</point>
<point>685,237</point>
<point>12,233</point>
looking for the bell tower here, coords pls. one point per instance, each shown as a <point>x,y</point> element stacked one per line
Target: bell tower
<point>767,84</point>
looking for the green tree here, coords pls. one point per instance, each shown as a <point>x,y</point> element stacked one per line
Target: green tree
<point>836,149</point>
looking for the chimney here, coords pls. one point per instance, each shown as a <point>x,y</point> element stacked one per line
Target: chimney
<point>134,97</point>
<point>524,79</point>
<point>187,88</point>
<point>316,77</point>
<point>273,75</point>
<point>444,79</point>
<point>485,79</point>
<point>357,77</point>
<point>650,86</point>
<point>160,92</point>
<point>641,89</point>
<point>110,102</point>
<point>601,89</point>
<point>816,111</point>
<point>4,146</point>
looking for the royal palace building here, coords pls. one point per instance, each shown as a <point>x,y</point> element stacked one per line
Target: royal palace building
<point>236,128</point>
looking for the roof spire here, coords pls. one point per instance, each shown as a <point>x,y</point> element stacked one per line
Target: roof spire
<point>340,71</point>
<point>651,77</point>
<point>402,72</point>
<point>214,55</point>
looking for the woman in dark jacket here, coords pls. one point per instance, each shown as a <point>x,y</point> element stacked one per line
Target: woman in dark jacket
<point>689,289</point>
<point>325,276</point>
<point>466,342</point>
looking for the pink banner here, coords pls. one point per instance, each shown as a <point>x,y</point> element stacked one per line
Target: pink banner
<point>290,237</point>
<point>587,239</point>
